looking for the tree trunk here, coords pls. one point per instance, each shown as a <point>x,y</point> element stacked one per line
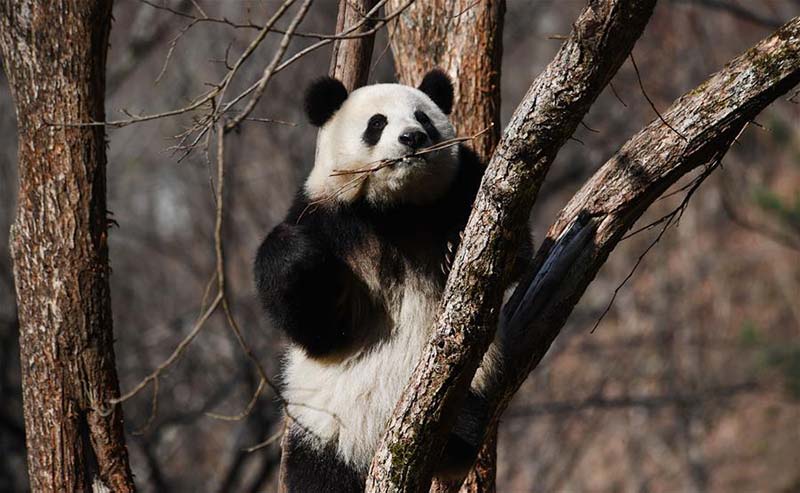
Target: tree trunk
<point>54,53</point>
<point>351,58</point>
<point>601,39</point>
<point>465,38</point>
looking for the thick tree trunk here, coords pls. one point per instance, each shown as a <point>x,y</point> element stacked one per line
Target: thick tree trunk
<point>54,53</point>
<point>465,38</point>
<point>601,39</point>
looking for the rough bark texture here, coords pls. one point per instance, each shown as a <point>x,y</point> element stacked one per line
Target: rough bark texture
<point>702,125</point>
<point>600,41</point>
<point>350,59</point>
<point>465,38</point>
<point>54,55</point>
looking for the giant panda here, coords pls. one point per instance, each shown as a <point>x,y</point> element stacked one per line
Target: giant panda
<point>355,272</point>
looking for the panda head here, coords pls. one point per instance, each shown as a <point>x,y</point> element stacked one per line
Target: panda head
<point>372,142</point>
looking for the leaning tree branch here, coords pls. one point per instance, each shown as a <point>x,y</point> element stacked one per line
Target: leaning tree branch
<point>556,102</point>
<point>703,124</point>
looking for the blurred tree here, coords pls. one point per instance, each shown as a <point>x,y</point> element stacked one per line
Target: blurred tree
<point>54,54</point>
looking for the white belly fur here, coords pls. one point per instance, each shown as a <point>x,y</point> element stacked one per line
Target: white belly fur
<point>349,403</point>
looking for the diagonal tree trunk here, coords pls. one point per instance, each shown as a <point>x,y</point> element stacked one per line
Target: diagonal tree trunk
<point>465,38</point>
<point>601,39</point>
<point>695,132</point>
<point>54,54</point>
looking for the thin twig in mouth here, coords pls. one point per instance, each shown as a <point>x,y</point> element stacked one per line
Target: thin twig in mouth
<point>369,168</point>
<point>362,174</point>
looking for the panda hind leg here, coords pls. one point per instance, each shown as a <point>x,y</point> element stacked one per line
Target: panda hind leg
<point>304,469</point>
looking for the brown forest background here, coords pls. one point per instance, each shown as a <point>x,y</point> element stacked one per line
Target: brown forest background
<point>690,382</point>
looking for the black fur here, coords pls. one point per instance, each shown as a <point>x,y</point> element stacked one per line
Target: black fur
<point>308,288</point>
<point>375,125</point>
<point>438,86</point>
<point>307,470</point>
<point>323,98</point>
<point>427,124</point>
<point>305,284</point>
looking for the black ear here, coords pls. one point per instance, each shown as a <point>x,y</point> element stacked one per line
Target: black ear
<point>438,86</point>
<point>323,98</point>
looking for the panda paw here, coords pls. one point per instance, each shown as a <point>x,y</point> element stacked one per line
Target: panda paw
<point>449,256</point>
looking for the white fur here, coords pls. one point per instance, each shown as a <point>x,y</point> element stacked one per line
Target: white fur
<point>415,179</point>
<point>323,397</point>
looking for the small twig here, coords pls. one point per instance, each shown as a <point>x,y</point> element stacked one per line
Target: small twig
<point>667,220</point>
<point>172,358</point>
<point>153,411</point>
<point>267,442</point>
<point>652,104</point>
<point>587,127</point>
<point>377,165</point>
<point>270,120</point>
<point>614,90</point>
<point>466,9</point>
<point>270,69</point>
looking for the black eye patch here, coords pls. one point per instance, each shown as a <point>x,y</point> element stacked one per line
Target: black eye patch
<point>374,130</point>
<point>427,124</point>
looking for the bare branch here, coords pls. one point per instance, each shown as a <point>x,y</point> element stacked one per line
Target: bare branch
<point>710,118</point>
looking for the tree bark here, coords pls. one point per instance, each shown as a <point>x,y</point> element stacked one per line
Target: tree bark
<point>601,39</point>
<point>351,58</point>
<point>54,54</point>
<point>696,131</point>
<point>464,38</point>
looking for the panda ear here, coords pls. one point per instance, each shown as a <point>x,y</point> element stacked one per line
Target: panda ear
<point>323,98</point>
<point>438,86</point>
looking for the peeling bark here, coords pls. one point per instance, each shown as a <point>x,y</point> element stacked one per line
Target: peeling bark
<point>601,38</point>
<point>54,54</point>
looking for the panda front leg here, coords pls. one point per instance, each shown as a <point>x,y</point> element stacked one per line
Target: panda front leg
<point>307,291</point>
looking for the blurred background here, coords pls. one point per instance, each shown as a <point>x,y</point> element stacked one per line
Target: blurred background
<point>691,382</point>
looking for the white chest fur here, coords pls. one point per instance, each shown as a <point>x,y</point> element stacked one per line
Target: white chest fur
<point>349,403</point>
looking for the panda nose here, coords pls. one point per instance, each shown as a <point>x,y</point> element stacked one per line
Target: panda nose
<point>413,139</point>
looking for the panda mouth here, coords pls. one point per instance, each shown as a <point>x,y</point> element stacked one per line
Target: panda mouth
<point>413,160</point>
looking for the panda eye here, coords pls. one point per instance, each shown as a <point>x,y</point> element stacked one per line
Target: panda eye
<point>375,125</point>
<point>422,117</point>
<point>377,122</point>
